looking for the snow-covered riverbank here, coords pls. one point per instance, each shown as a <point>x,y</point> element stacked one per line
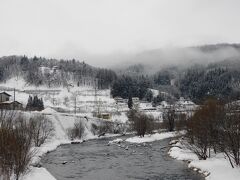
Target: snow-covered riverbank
<point>61,123</point>
<point>60,137</point>
<point>215,168</point>
<point>151,138</point>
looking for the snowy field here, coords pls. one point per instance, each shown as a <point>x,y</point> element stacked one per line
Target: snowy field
<point>85,100</point>
<point>214,168</point>
<point>62,98</point>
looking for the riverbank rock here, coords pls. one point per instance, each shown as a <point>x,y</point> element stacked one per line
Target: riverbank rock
<point>115,141</point>
<point>38,165</point>
<point>75,142</point>
<point>173,142</point>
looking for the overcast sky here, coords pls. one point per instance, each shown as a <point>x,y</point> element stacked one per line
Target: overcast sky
<point>86,28</point>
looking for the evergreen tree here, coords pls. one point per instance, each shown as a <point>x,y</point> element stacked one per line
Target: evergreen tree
<point>30,102</point>
<point>157,100</point>
<point>149,96</point>
<point>41,104</point>
<point>35,104</point>
<point>130,102</point>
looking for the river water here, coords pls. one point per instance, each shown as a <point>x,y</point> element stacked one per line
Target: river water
<point>95,160</point>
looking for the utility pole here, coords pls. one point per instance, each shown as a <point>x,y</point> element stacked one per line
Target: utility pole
<point>75,104</point>
<point>95,96</point>
<point>14,98</point>
<point>117,106</point>
<point>14,95</point>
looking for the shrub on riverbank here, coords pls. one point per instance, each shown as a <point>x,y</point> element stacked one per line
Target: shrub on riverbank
<point>42,128</point>
<point>215,128</point>
<point>141,123</point>
<point>15,146</point>
<point>77,131</point>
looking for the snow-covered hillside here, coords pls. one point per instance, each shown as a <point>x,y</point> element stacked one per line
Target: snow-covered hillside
<point>84,99</point>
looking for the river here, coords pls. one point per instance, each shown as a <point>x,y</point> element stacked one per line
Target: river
<point>95,160</point>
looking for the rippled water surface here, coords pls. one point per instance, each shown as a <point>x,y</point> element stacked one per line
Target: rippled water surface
<point>95,160</point>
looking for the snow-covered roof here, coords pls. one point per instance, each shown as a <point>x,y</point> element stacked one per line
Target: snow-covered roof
<point>6,102</point>
<point>5,93</point>
<point>183,101</point>
<point>164,103</point>
<point>10,102</point>
<point>118,97</point>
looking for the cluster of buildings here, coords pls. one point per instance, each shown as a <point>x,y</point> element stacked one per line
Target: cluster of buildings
<point>121,100</point>
<point>182,106</point>
<point>6,103</point>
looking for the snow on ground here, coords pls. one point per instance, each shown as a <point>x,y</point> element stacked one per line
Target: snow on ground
<point>59,137</point>
<point>61,124</point>
<point>63,100</point>
<point>20,84</point>
<point>48,110</point>
<point>122,117</point>
<point>38,174</point>
<point>66,99</point>
<point>59,97</point>
<point>151,138</point>
<point>145,105</point>
<point>61,121</point>
<point>215,168</point>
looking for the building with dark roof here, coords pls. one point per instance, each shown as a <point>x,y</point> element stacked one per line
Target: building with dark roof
<point>5,102</point>
<point>4,97</point>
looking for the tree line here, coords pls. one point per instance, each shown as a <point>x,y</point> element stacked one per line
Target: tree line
<point>127,86</point>
<point>198,82</point>
<point>54,72</point>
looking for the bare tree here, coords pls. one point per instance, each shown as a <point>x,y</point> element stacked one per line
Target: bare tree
<point>105,127</point>
<point>203,129</point>
<point>141,123</point>
<point>15,147</point>
<point>22,140</point>
<point>181,122</point>
<point>94,128</point>
<point>77,131</point>
<point>229,134</point>
<point>169,118</point>
<point>42,128</point>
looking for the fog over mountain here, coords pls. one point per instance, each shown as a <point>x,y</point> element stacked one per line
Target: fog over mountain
<point>106,33</point>
<point>154,60</point>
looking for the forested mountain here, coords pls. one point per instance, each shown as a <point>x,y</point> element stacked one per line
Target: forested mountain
<point>54,73</point>
<point>219,78</point>
<point>209,70</point>
<point>126,86</point>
